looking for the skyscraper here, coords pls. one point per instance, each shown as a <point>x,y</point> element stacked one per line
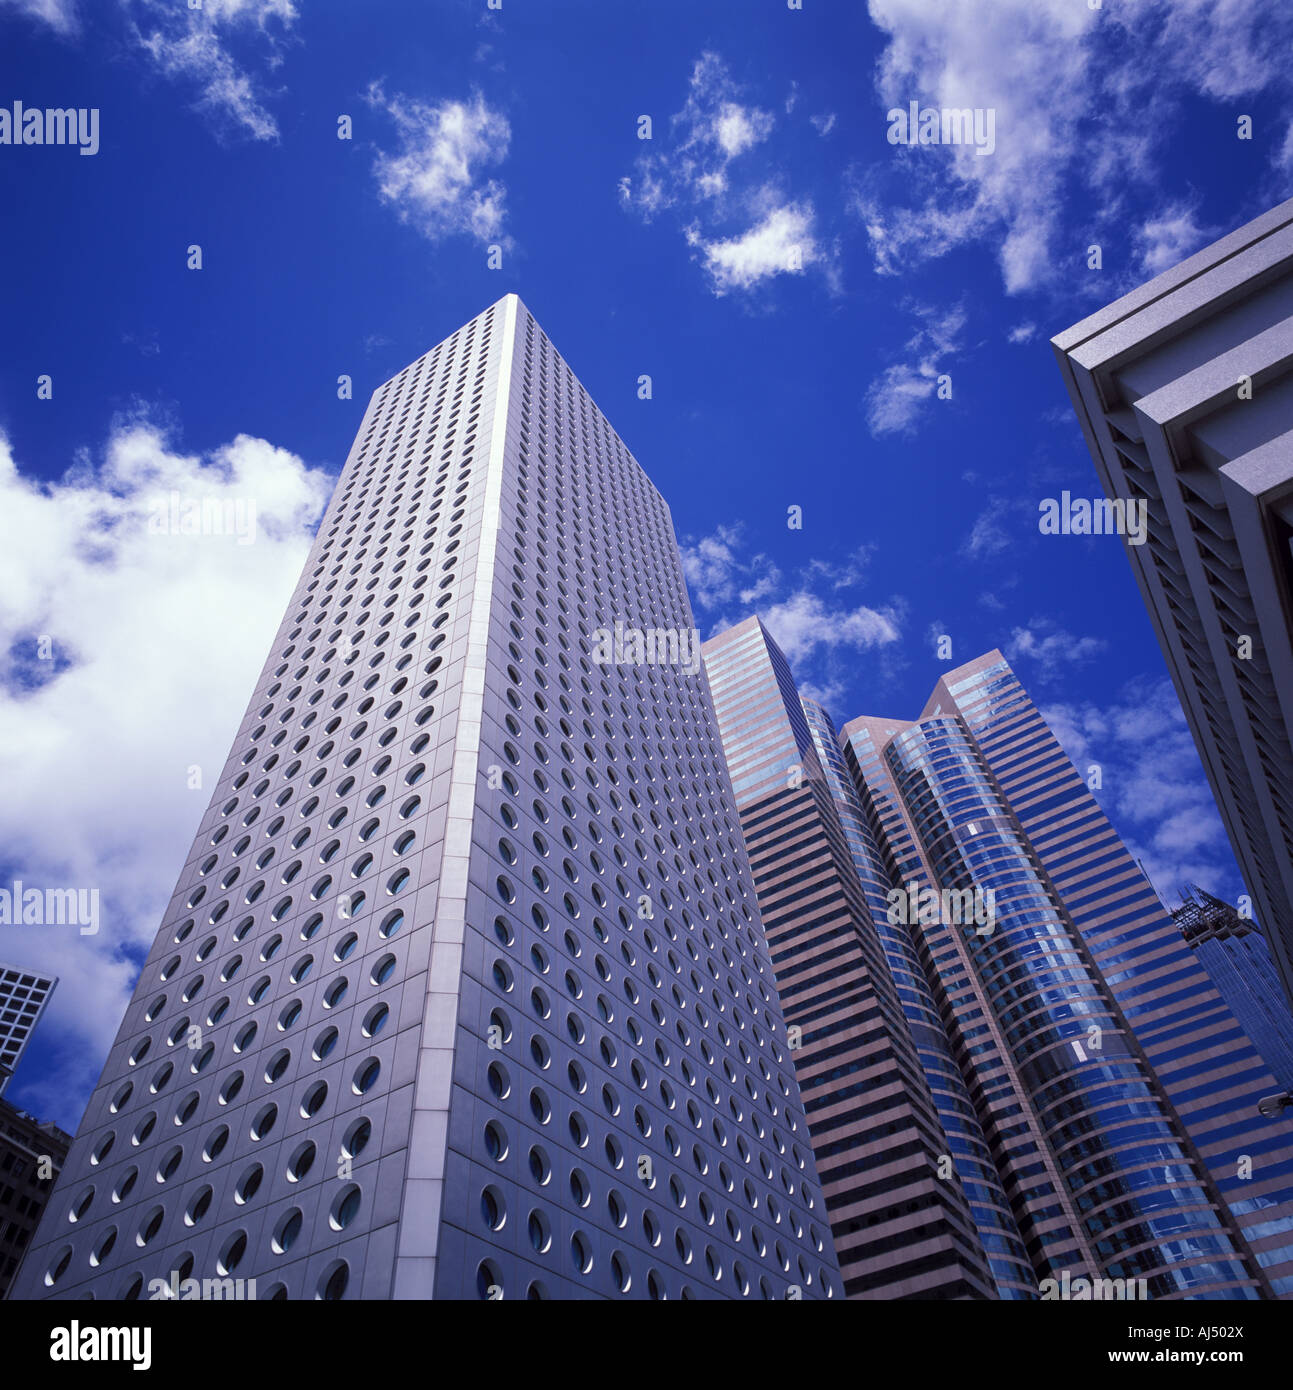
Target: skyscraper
<point>1173,1016</point>
<point>901,1217</point>
<point>31,1152</point>
<point>968,1143</point>
<point>1114,1093</point>
<point>31,1156</point>
<point>23,997</point>
<point>462,991</point>
<point>1233,951</point>
<point>1184,390</point>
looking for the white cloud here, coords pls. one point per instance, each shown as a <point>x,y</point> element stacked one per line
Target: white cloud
<point>1284,160</point>
<point>1048,649</point>
<point>843,574</point>
<point>60,15</point>
<point>721,572</point>
<point>743,226</point>
<point>192,46</point>
<point>1167,238</point>
<point>1125,71</point>
<point>1152,785</point>
<point>988,533</point>
<point>1001,57</point>
<point>830,694</point>
<point>895,399</point>
<point>157,639</point>
<point>803,623</point>
<point>1022,333</point>
<point>436,180</point>
<point>815,623</point>
<point>650,196</point>
<point>824,124</point>
<point>991,598</point>
<point>782,244</point>
<point>716,572</point>
<point>708,134</point>
<point>737,128</point>
<point>258,12</point>
<point>1225,48</point>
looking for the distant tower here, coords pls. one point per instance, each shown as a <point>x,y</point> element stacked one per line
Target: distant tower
<point>31,1153</point>
<point>23,997</point>
<point>903,943</point>
<point>1233,951</point>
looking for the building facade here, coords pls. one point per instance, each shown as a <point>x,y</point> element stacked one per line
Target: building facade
<point>900,935</point>
<point>1198,1062</point>
<point>23,997</point>
<point>1233,951</point>
<point>899,1209</point>
<point>1184,391</point>
<point>1112,1094</point>
<point>32,1155</point>
<point>462,991</point>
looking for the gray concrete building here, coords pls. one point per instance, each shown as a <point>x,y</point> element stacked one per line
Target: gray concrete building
<point>462,991</point>
<point>1184,390</point>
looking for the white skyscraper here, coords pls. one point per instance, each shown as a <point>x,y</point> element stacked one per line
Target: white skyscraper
<point>462,991</point>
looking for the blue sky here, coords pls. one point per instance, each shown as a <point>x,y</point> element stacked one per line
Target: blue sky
<point>793,283</point>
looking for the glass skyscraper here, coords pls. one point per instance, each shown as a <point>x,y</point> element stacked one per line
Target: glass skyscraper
<point>899,1200</point>
<point>1204,1061</point>
<point>1110,1088</point>
<point>462,991</point>
<point>967,1142</point>
<point>1233,951</point>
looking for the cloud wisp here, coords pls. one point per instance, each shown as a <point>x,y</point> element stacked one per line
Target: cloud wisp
<point>437,177</point>
<point>728,194</point>
<point>1127,72</point>
<point>1152,784</point>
